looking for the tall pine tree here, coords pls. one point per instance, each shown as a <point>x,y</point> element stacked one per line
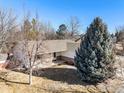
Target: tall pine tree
<point>94,58</point>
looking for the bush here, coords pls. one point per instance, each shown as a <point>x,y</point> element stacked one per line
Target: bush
<point>94,58</point>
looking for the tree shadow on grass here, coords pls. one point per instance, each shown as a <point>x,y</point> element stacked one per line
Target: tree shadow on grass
<point>66,75</point>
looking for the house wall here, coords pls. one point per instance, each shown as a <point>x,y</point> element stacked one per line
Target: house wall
<point>68,56</point>
<point>47,58</point>
<point>70,53</point>
<point>55,46</point>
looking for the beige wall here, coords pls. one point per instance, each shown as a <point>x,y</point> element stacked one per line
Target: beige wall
<point>52,46</point>
<point>58,54</point>
<point>71,47</point>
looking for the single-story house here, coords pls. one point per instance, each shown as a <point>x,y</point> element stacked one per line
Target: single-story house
<point>51,50</point>
<point>62,49</point>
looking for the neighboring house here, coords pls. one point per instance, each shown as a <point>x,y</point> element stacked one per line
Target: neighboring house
<point>52,50</point>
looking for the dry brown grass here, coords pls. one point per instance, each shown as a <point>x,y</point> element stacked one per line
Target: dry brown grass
<point>16,82</point>
<point>58,79</point>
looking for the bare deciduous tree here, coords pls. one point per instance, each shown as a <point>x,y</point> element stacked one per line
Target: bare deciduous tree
<point>7,24</point>
<point>120,34</point>
<point>31,55</point>
<point>74,26</point>
<point>48,31</point>
<point>27,50</point>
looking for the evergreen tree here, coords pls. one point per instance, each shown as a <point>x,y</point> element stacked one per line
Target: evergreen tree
<point>94,58</point>
<point>62,31</point>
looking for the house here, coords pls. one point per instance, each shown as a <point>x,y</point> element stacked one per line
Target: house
<point>62,49</point>
<point>50,51</point>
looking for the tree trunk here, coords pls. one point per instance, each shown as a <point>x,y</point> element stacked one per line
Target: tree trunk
<point>30,77</point>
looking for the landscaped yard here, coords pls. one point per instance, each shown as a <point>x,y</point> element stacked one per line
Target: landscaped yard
<point>57,79</point>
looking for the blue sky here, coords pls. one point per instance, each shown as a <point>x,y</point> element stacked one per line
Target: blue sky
<point>59,11</point>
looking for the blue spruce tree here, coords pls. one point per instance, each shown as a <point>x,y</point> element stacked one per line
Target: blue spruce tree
<point>94,58</point>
